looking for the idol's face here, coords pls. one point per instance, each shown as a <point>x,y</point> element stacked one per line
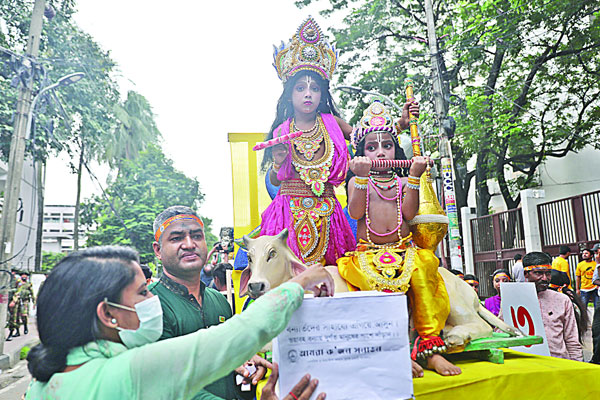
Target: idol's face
<point>380,146</point>
<point>306,95</point>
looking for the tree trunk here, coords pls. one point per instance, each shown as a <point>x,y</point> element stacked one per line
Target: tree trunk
<point>78,199</point>
<point>41,179</point>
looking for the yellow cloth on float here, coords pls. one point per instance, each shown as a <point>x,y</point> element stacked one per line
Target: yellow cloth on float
<point>511,380</point>
<point>427,293</point>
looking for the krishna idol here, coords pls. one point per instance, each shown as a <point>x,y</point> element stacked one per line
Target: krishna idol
<point>309,166</point>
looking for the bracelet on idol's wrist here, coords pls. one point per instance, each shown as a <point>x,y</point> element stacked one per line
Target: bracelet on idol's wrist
<point>361,182</point>
<point>413,186</point>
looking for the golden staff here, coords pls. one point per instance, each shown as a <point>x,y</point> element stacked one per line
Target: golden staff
<point>412,120</point>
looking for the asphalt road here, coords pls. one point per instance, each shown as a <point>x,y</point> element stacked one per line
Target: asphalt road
<point>14,382</point>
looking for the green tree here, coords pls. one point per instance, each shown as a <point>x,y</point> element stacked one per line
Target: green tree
<point>135,129</point>
<point>50,259</point>
<point>521,78</point>
<point>142,189</point>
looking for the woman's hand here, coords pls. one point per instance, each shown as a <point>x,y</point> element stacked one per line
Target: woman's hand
<point>317,280</point>
<point>419,165</point>
<point>302,391</point>
<point>280,153</point>
<point>361,166</point>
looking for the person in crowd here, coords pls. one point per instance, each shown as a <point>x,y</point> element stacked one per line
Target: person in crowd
<point>219,274</point>
<point>584,279</point>
<point>473,282</point>
<point>147,273</point>
<point>558,315</point>
<point>458,273</point>
<point>13,308</point>
<point>596,317</point>
<point>561,263</point>
<point>25,297</point>
<point>187,304</point>
<point>559,281</point>
<point>98,325</point>
<point>517,269</point>
<point>493,303</point>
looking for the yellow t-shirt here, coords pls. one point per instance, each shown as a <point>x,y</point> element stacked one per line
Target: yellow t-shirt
<point>585,270</point>
<point>560,264</point>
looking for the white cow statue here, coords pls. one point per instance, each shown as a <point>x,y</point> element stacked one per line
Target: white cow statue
<point>271,263</point>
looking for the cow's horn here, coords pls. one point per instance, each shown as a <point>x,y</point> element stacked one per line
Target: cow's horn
<point>283,235</point>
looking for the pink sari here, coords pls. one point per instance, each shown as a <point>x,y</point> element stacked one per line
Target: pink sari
<point>279,216</point>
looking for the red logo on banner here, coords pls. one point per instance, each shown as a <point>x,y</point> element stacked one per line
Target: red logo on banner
<point>522,317</point>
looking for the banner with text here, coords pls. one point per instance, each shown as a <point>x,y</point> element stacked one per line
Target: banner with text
<point>356,344</point>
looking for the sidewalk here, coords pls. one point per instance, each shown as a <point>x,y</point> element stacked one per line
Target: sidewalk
<point>12,349</point>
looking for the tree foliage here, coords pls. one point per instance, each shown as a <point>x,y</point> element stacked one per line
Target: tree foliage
<point>520,78</point>
<point>50,259</point>
<point>142,189</point>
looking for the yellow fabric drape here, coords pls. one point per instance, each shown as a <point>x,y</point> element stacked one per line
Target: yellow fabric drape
<point>427,293</point>
<point>522,376</point>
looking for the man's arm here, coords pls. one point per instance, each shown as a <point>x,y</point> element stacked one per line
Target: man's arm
<point>596,277</point>
<point>570,332</point>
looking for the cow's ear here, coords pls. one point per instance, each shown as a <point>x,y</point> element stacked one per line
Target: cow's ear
<point>283,235</point>
<point>297,268</point>
<point>246,240</point>
<point>244,278</point>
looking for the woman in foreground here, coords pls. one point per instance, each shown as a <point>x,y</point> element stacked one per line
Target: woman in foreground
<point>98,325</point>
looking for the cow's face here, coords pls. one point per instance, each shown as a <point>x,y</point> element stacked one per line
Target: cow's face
<point>270,263</point>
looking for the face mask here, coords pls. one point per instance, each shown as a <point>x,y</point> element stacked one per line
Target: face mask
<point>150,314</point>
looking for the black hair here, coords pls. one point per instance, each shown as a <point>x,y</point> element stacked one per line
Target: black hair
<point>561,279</point>
<point>398,155</point>
<point>457,272</point>
<point>285,108</point>
<point>67,303</point>
<point>470,277</point>
<point>220,271</point>
<point>563,249</point>
<point>146,270</point>
<point>536,258</point>
<point>518,256</point>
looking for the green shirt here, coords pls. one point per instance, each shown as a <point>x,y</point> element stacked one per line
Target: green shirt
<point>176,368</point>
<point>182,315</point>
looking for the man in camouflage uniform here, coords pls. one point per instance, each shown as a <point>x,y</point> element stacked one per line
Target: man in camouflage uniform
<point>25,292</point>
<point>13,308</point>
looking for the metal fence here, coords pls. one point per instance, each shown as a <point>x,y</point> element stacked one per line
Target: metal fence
<point>497,238</point>
<point>572,221</point>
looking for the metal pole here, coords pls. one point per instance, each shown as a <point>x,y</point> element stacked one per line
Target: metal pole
<point>15,165</point>
<point>444,146</point>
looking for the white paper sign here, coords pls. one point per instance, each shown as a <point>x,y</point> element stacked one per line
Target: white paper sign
<point>521,309</point>
<point>355,344</point>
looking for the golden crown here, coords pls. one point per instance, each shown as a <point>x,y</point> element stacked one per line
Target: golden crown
<point>308,50</point>
<point>376,118</point>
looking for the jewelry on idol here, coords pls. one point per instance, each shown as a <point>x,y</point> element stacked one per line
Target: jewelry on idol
<point>309,145</point>
<point>315,173</point>
<point>398,211</point>
<point>361,182</point>
<point>113,321</point>
<point>384,183</point>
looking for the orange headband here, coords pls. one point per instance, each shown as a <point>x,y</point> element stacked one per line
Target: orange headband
<point>177,217</point>
<point>541,266</point>
<point>472,281</point>
<point>501,274</point>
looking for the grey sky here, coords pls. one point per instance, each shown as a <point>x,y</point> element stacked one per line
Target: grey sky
<point>205,67</point>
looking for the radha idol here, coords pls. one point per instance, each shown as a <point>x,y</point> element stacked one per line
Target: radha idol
<point>308,167</point>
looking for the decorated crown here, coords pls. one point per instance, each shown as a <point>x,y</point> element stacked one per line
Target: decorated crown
<point>306,51</point>
<point>376,118</point>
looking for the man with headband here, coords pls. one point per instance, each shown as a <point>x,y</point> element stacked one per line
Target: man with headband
<point>188,305</point>
<point>557,312</point>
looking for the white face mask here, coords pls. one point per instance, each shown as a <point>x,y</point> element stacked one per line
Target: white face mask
<point>150,314</point>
